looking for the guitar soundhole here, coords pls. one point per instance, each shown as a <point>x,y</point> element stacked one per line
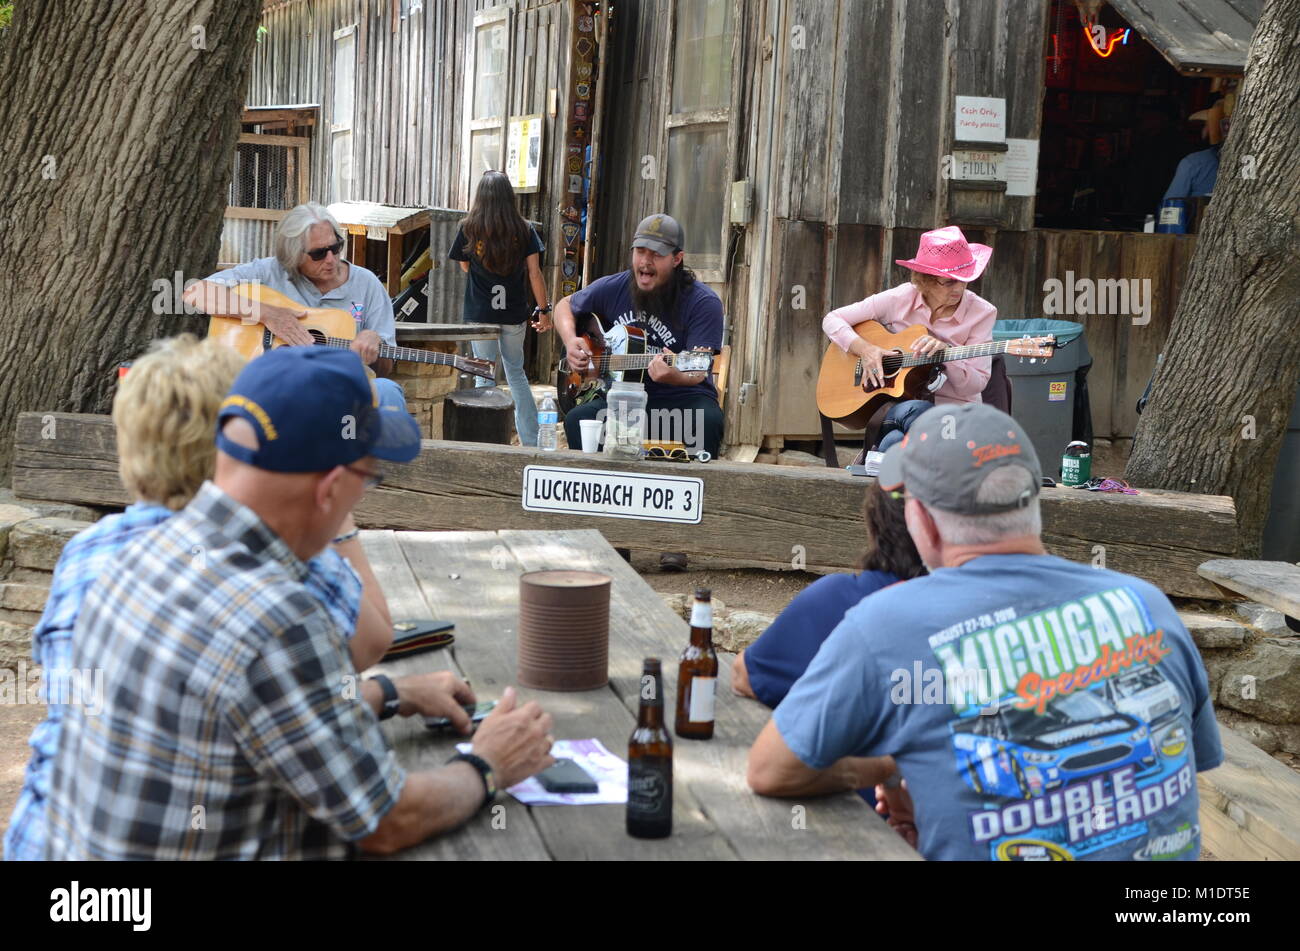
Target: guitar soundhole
<point>318,337</point>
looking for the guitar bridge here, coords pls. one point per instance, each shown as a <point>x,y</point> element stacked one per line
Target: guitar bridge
<point>857,374</point>
<point>266,340</point>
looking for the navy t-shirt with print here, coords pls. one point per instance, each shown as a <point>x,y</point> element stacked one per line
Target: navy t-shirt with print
<point>1038,709</point>
<point>699,319</point>
<point>783,652</point>
<point>484,288</point>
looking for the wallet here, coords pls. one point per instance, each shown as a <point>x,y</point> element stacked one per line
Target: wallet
<point>415,636</point>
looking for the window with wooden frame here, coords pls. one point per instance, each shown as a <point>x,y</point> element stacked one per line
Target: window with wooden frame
<point>487,95</point>
<point>341,113</point>
<point>698,137</point>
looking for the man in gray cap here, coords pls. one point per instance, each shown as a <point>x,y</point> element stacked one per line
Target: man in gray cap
<point>1038,708</point>
<point>657,297</point>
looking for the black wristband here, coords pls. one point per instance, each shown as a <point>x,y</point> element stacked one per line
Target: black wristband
<point>484,773</point>
<point>392,703</point>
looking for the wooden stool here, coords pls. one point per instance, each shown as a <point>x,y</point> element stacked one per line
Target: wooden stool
<point>478,414</point>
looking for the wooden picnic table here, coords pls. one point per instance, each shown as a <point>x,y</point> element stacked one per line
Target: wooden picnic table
<point>472,578</point>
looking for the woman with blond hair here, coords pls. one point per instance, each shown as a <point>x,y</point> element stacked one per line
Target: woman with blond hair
<point>165,414</point>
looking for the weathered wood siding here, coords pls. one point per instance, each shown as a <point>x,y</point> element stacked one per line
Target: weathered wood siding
<point>412,66</point>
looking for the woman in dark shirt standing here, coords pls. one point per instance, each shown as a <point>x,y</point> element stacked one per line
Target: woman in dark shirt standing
<point>768,668</point>
<point>499,251</point>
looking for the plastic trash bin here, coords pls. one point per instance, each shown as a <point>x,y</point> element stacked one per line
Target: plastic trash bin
<point>1045,392</point>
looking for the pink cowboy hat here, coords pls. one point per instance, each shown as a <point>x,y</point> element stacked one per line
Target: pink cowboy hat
<point>945,253</point>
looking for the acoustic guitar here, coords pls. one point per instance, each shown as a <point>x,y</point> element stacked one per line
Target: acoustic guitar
<point>329,328</point>
<point>619,353</point>
<point>842,396</point>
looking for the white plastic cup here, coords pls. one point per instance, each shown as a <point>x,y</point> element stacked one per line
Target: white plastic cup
<point>591,434</point>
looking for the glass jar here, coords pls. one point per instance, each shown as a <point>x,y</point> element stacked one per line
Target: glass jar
<point>625,420</point>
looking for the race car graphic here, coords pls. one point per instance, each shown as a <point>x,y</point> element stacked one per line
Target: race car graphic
<point>1018,754</point>
<point>1143,692</point>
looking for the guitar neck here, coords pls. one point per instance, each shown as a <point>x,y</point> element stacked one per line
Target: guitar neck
<point>396,353</point>
<point>955,353</point>
<point>633,361</point>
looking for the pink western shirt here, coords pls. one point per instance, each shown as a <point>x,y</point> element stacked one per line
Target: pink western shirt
<point>901,307</point>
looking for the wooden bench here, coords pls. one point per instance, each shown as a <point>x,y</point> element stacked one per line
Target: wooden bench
<point>777,516</point>
<point>1275,584</point>
<point>1250,806</point>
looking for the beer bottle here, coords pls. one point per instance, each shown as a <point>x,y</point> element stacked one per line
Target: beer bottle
<point>698,674</point>
<point>650,762</point>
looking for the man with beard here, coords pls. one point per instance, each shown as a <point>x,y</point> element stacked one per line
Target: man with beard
<point>661,296</point>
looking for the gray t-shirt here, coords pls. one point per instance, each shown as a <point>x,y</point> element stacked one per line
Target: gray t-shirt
<point>362,295</point>
<point>1038,709</point>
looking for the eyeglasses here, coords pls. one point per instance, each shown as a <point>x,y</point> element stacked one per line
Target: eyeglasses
<point>318,254</point>
<point>944,281</point>
<point>371,479</point>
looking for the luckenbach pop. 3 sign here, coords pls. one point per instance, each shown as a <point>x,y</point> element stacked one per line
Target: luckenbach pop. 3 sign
<point>611,494</point>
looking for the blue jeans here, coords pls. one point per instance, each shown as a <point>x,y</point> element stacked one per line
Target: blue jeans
<point>897,421</point>
<point>510,353</point>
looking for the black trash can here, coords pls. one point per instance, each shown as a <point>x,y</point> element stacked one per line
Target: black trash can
<point>1046,394</point>
<point>1282,531</point>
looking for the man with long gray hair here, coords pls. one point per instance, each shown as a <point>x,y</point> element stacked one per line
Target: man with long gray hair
<point>1037,708</point>
<point>308,267</point>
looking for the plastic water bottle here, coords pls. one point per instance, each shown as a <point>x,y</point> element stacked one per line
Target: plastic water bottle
<point>548,416</point>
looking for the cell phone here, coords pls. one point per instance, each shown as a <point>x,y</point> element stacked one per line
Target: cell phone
<point>477,713</point>
<point>566,776</point>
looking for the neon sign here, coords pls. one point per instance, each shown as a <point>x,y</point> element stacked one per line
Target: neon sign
<point>1096,35</point>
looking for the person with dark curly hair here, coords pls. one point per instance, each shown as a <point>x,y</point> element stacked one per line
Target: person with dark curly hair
<point>768,668</point>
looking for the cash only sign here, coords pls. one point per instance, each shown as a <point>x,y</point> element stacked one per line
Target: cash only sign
<point>602,492</point>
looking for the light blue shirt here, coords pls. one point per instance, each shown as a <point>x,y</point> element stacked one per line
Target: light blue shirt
<point>1038,709</point>
<point>1195,175</point>
<point>362,295</point>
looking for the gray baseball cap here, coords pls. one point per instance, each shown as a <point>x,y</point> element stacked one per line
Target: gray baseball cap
<point>949,450</point>
<point>660,233</point>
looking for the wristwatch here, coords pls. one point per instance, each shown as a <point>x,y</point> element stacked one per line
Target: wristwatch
<point>392,703</point>
<point>543,310</point>
<point>484,773</point>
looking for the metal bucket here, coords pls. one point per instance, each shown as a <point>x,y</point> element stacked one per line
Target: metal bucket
<point>563,630</point>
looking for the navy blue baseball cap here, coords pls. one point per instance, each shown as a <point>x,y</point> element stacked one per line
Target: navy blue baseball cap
<point>314,408</point>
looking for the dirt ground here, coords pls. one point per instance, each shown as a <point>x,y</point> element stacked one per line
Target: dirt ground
<point>738,587</point>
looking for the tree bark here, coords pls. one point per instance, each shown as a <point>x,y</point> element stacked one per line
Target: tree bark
<point>1221,399</point>
<point>119,131</point>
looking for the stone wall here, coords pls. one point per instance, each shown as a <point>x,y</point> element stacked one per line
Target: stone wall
<point>425,385</point>
<point>32,535</point>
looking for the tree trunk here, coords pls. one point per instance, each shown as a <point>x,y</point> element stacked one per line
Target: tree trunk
<point>1221,399</point>
<point>120,122</point>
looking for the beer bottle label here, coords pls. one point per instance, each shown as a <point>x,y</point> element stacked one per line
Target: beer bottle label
<point>649,789</point>
<point>702,692</point>
<point>702,614</point>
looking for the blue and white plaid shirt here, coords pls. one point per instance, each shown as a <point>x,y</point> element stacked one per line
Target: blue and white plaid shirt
<point>194,624</point>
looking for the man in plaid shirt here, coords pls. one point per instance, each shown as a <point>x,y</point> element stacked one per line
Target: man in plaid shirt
<point>164,414</point>
<point>228,728</point>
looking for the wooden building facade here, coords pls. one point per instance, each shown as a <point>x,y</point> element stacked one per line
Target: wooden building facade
<point>804,145</point>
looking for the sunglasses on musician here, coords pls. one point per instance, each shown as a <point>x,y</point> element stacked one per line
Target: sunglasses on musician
<point>318,254</point>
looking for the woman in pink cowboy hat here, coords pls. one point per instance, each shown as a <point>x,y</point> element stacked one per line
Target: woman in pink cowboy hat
<point>936,297</point>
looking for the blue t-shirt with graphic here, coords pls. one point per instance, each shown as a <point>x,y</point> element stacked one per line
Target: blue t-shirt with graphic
<point>699,324</point>
<point>1037,708</point>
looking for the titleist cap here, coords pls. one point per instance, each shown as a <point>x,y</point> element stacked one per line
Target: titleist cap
<point>950,450</point>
